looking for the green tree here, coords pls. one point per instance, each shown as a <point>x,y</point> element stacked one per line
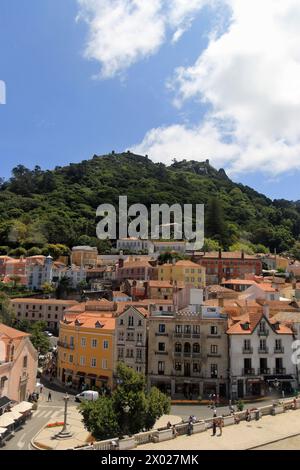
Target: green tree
<point>7,314</point>
<point>131,409</point>
<point>38,338</point>
<point>47,288</point>
<point>211,245</point>
<point>100,418</point>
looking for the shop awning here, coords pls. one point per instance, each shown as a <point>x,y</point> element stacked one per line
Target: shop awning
<point>92,376</point>
<point>6,420</point>
<point>23,407</point>
<point>81,374</point>
<point>16,415</point>
<point>103,377</point>
<point>3,431</point>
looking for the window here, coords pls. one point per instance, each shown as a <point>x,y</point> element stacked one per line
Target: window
<point>278,344</point>
<point>214,349</point>
<point>105,344</point>
<point>162,328</point>
<point>187,329</point>
<point>178,366</point>
<point>196,348</point>
<point>130,321</point>
<point>49,315</point>
<point>140,323</point>
<point>121,336</point>
<point>161,347</point>
<point>71,340</point>
<point>139,337</point>
<point>161,367</point>
<point>178,347</point>
<point>196,329</point>
<point>71,359</point>
<point>49,308</point>
<point>213,330</point>
<point>214,371</point>
<point>120,353</point>
<point>121,321</point>
<point>25,360</point>
<point>247,344</point>
<point>33,315</point>
<point>139,354</point>
<point>129,353</point>
<point>196,367</point>
<point>104,363</point>
<point>83,342</point>
<point>262,344</point>
<point>178,329</point>
<point>130,336</point>
<point>82,360</point>
<point>94,343</point>
<point>93,362</point>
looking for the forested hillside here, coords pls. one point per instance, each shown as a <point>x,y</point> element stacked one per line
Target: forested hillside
<point>58,207</point>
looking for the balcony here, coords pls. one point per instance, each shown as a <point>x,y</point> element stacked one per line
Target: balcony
<point>213,354</point>
<point>264,371</point>
<point>263,332</point>
<point>178,335</point>
<point>263,350</point>
<point>64,345</point>
<point>196,355</point>
<point>279,371</point>
<point>177,354</point>
<point>248,371</point>
<point>161,334</point>
<point>196,335</point>
<point>161,353</point>
<point>248,350</point>
<point>217,336</point>
<point>279,350</point>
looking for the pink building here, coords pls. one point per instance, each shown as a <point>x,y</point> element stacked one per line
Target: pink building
<point>18,364</point>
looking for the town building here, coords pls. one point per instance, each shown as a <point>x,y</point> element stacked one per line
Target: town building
<point>225,265</point>
<point>260,350</point>
<point>86,350</point>
<point>84,256</point>
<point>133,245</point>
<point>50,311</point>
<point>18,364</point>
<point>263,291</point>
<point>169,246</point>
<point>184,271</point>
<point>131,338</point>
<point>188,353</point>
<point>136,270</point>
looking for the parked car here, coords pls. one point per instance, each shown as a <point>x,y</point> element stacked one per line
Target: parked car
<point>88,395</point>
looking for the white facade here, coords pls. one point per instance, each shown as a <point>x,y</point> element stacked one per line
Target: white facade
<point>256,292</point>
<point>260,358</point>
<point>134,245</point>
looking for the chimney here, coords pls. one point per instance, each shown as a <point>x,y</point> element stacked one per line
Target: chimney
<point>266,310</point>
<point>220,253</point>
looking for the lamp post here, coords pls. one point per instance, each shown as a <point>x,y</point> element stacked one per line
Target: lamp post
<point>126,410</point>
<point>64,433</point>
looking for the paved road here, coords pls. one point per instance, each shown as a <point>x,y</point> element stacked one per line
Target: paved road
<point>47,411</point>
<point>204,412</point>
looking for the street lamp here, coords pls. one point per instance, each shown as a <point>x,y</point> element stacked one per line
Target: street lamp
<point>126,410</point>
<point>65,433</point>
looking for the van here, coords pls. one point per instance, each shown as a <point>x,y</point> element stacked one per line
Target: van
<point>88,395</point>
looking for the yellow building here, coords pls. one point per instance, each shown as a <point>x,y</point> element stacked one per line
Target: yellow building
<point>86,350</point>
<point>186,271</point>
<point>84,256</point>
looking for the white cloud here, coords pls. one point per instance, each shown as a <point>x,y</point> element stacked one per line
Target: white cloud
<point>121,32</point>
<point>250,78</point>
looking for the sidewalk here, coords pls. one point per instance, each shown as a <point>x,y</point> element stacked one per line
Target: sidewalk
<point>237,437</point>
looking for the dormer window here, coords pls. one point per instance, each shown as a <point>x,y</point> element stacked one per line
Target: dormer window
<point>277,326</point>
<point>98,325</point>
<point>262,326</point>
<point>245,326</point>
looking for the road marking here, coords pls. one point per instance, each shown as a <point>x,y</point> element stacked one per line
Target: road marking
<point>21,443</point>
<point>56,413</point>
<point>39,414</point>
<point>48,414</point>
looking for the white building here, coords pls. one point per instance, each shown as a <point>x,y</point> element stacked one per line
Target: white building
<point>262,291</point>
<point>260,351</point>
<point>134,245</point>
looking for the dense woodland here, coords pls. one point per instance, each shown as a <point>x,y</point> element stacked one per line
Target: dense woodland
<point>41,208</point>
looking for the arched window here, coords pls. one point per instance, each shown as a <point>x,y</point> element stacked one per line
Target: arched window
<point>187,347</point>
<point>178,347</point>
<point>196,348</point>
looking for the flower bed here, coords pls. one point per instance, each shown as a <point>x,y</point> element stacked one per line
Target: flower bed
<point>54,425</point>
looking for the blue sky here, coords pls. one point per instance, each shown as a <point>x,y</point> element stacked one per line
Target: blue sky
<point>181,89</point>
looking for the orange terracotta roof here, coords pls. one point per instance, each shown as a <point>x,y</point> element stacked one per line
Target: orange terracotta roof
<point>44,301</point>
<point>266,287</point>
<point>253,318</point>
<point>226,255</point>
<point>238,282</point>
<point>12,333</point>
<point>89,321</point>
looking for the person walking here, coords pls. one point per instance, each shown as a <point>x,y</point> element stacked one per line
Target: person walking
<point>214,427</point>
<point>41,389</point>
<point>221,424</point>
<point>49,396</point>
<point>215,413</point>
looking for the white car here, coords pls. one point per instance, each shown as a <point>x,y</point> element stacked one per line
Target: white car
<point>88,395</point>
